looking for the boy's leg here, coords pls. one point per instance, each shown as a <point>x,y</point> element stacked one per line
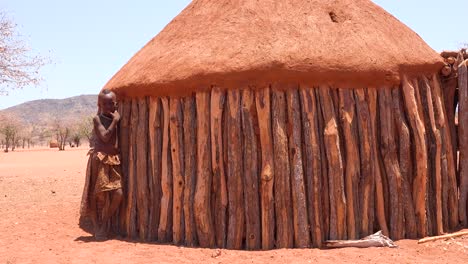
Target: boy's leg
<point>116,198</point>
<point>100,228</point>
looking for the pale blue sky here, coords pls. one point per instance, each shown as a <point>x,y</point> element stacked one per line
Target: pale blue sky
<point>90,40</point>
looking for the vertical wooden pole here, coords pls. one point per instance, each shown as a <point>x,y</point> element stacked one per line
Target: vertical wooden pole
<point>124,139</point>
<point>190,169</point>
<point>202,207</point>
<point>421,93</point>
<point>379,193</point>
<point>463,138</point>
<point>267,173</point>
<point>325,193</point>
<point>366,182</point>
<point>405,162</point>
<point>165,221</point>
<point>236,227</point>
<point>131,184</point>
<point>448,160</point>
<point>282,184</point>
<point>352,171</point>
<point>389,153</point>
<point>437,168</point>
<point>154,164</point>
<point>335,167</point>
<point>217,151</point>
<point>419,134</point>
<point>141,168</point>
<point>250,171</point>
<point>300,215</point>
<point>313,166</point>
<point>177,156</point>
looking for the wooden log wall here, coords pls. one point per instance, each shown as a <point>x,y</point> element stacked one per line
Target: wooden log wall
<point>290,166</point>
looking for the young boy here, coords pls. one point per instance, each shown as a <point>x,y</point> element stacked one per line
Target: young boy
<point>103,191</point>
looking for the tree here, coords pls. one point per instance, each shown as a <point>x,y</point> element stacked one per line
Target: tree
<point>18,66</point>
<point>9,128</point>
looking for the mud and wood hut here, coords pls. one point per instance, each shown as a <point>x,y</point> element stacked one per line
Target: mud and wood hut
<point>271,124</point>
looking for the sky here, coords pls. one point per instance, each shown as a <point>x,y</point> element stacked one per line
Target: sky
<point>88,41</point>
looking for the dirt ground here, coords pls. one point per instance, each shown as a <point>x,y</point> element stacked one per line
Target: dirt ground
<point>40,192</point>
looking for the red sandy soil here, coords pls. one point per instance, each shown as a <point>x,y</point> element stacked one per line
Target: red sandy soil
<point>40,192</point>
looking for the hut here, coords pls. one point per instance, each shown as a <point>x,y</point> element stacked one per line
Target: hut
<point>278,124</point>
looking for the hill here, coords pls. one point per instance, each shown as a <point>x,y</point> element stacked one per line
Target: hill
<point>38,119</point>
<point>44,112</point>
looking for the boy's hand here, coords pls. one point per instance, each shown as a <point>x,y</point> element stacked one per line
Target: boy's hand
<point>115,116</point>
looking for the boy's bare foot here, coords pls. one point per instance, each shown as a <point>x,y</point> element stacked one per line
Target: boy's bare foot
<point>100,233</point>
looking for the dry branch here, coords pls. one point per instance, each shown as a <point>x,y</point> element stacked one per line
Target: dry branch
<point>434,238</point>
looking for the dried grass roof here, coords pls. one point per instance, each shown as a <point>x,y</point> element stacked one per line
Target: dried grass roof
<point>235,43</point>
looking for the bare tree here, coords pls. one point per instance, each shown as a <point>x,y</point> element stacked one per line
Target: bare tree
<point>18,66</point>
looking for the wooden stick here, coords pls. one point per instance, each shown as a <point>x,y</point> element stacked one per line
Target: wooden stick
<point>313,166</point>
<point>177,156</point>
<point>154,164</point>
<point>236,227</point>
<point>392,168</point>
<point>379,193</point>
<point>375,240</point>
<point>219,175</point>
<point>190,167</point>
<point>434,238</point>
<point>463,138</point>
<point>282,184</point>
<point>250,165</point>
<point>367,182</point>
<point>300,215</point>
<point>335,174</point>
<point>202,200</point>
<point>267,174</point>
<point>405,162</point>
<point>165,221</point>
<point>352,171</point>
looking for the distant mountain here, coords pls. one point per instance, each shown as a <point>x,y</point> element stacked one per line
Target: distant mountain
<point>43,113</point>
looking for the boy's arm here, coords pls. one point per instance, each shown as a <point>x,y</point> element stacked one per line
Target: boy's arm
<point>103,133</point>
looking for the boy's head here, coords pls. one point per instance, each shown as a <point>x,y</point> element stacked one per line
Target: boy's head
<point>107,101</point>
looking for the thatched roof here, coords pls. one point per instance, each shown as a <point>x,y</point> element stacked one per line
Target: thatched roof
<point>235,43</point>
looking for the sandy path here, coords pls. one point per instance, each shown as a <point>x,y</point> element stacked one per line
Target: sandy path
<point>40,193</point>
